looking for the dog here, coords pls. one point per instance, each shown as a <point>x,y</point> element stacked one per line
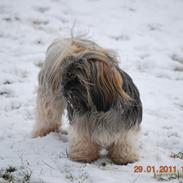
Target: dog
<point>103,104</point>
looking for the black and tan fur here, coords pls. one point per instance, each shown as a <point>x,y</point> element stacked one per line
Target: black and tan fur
<point>103,104</point>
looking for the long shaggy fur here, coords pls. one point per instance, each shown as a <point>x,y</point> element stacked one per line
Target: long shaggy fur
<point>103,104</point>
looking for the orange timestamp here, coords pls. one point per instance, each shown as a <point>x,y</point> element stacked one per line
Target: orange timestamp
<point>155,169</point>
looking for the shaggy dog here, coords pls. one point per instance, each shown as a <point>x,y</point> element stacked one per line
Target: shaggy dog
<point>103,104</point>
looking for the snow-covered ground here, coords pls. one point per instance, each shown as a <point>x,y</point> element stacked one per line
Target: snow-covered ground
<point>147,35</point>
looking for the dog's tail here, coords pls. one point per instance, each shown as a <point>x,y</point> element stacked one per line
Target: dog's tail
<point>92,81</point>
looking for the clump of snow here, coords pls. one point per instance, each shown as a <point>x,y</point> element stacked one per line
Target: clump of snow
<point>146,34</point>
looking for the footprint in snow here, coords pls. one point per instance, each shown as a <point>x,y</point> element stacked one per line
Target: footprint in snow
<point>7,93</point>
<point>121,37</point>
<point>41,9</point>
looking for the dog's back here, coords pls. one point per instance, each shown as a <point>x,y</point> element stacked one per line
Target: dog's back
<point>89,78</point>
<point>57,53</point>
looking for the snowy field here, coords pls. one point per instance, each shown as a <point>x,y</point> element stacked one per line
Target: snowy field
<point>147,35</point>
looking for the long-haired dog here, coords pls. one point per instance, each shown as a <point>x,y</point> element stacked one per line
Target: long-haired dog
<point>103,104</point>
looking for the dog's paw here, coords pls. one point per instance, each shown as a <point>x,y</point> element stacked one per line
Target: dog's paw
<point>40,132</point>
<point>124,160</point>
<point>82,158</point>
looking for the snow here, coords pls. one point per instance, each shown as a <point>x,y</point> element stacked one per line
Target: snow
<point>147,35</point>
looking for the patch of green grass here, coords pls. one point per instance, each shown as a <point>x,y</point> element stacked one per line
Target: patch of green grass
<point>26,177</point>
<point>177,155</point>
<point>14,175</point>
<point>11,169</point>
<point>6,174</point>
<point>168,176</point>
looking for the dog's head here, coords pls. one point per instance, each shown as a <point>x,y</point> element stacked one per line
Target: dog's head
<point>92,82</point>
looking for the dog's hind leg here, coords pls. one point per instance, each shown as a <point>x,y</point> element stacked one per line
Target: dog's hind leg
<point>123,151</point>
<point>49,111</point>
